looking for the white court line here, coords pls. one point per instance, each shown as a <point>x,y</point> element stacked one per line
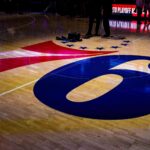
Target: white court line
<point>137,39</point>
<point>20,26</point>
<point>19,87</point>
<point>19,53</point>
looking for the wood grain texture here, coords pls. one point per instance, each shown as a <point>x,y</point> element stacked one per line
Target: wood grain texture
<point>27,124</point>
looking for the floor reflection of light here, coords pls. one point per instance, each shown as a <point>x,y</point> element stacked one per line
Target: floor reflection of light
<point>147,89</point>
<point>132,26</point>
<point>11,31</point>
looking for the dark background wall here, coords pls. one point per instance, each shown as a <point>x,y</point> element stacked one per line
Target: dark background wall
<point>63,7</point>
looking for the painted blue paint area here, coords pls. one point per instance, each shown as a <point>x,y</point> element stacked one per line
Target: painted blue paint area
<point>64,42</point>
<point>83,47</point>
<point>70,45</point>
<point>100,48</point>
<point>149,65</point>
<point>124,44</point>
<point>115,47</point>
<point>129,99</point>
<point>126,41</point>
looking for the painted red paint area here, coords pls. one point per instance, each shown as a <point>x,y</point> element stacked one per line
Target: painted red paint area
<point>57,52</point>
<point>52,48</point>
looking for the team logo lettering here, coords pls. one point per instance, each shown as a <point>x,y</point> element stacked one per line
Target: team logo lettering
<point>121,87</point>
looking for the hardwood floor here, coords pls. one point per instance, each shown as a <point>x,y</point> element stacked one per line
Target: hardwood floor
<point>28,124</point>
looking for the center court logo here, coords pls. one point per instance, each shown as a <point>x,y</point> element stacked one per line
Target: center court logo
<point>129,98</point>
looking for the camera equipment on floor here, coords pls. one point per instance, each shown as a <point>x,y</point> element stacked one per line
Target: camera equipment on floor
<point>74,36</point>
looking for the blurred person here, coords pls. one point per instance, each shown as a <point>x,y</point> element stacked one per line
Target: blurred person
<point>107,12</point>
<point>147,9</point>
<point>94,13</point>
<point>139,7</point>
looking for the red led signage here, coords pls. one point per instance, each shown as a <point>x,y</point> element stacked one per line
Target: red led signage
<point>126,9</point>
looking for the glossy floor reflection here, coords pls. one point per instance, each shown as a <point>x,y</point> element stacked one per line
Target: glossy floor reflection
<point>55,94</point>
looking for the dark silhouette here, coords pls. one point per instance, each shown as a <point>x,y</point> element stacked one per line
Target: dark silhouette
<point>139,7</point>
<point>147,9</point>
<point>107,11</point>
<point>94,12</point>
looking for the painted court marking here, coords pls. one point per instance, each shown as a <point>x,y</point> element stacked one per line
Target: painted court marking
<point>19,87</point>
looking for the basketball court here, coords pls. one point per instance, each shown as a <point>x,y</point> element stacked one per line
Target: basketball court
<point>59,95</point>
